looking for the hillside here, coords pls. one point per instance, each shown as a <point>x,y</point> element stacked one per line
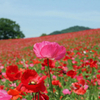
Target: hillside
<point>71,29</point>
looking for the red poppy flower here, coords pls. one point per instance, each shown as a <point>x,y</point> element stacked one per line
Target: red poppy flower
<point>13,73</point>
<point>79,87</point>
<point>36,62</point>
<point>22,88</point>
<point>1,87</point>
<point>0,74</point>
<point>92,63</point>
<point>71,73</point>
<point>15,94</point>
<point>32,81</point>
<point>51,63</point>
<point>56,82</point>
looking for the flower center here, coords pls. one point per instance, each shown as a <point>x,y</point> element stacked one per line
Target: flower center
<point>32,83</point>
<point>12,73</point>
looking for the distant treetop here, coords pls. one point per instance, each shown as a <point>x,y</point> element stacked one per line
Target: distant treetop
<point>71,29</point>
<point>9,29</point>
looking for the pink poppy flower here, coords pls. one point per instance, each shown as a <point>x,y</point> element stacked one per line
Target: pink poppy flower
<point>74,62</point>
<point>3,80</point>
<point>26,65</point>
<point>54,77</point>
<point>31,65</point>
<point>4,95</point>
<point>79,77</point>
<point>66,91</point>
<point>13,84</point>
<point>1,67</point>
<point>50,50</point>
<point>42,68</point>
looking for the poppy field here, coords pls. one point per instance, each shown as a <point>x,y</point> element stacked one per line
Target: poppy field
<point>53,67</point>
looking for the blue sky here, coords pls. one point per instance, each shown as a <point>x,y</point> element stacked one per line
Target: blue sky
<point>45,16</point>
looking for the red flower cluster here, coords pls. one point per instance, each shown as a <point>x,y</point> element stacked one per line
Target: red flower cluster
<point>71,73</point>
<point>79,87</point>
<point>13,73</point>
<point>30,82</point>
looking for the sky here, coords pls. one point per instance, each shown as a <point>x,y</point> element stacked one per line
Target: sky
<point>36,17</point>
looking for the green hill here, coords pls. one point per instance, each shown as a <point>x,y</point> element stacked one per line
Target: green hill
<point>71,29</point>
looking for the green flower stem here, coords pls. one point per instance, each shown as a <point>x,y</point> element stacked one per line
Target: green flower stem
<point>24,63</point>
<point>59,92</point>
<point>50,82</point>
<point>33,95</point>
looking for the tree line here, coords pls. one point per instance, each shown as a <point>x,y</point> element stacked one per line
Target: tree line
<point>9,29</point>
